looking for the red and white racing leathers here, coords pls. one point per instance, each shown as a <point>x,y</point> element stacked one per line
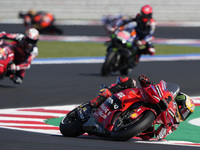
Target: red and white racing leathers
<point>23,56</point>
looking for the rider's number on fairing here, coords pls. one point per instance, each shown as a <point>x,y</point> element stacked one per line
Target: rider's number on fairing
<point>124,35</point>
<point>120,95</point>
<point>110,100</point>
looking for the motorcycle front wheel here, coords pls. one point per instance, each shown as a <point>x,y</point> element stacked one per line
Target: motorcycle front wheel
<point>124,71</point>
<point>108,65</point>
<point>126,130</point>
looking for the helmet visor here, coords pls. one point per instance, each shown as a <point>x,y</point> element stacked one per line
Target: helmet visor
<point>146,16</point>
<point>28,44</point>
<point>30,41</point>
<point>185,113</point>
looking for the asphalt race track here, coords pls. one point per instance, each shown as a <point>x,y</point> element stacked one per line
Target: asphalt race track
<point>91,30</point>
<point>49,85</point>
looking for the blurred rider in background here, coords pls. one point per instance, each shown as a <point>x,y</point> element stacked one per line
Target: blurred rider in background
<point>185,105</point>
<point>25,50</point>
<point>145,27</point>
<point>142,23</point>
<point>41,20</point>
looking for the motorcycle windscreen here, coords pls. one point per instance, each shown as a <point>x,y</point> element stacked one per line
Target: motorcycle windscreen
<point>173,88</point>
<point>123,36</point>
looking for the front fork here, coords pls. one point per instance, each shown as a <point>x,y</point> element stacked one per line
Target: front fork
<point>117,62</point>
<point>84,111</point>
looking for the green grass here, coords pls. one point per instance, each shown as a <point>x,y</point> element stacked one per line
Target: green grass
<point>175,49</point>
<point>70,49</point>
<point>80,49</point>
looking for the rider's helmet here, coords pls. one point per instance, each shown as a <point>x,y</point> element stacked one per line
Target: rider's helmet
<point>30,39</point>
<point>32,12</point>
<point>146,13</point>
<point>185,105</point>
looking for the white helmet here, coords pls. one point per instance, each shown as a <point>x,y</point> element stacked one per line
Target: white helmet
<point>30,39</point>
<point>32,35</point>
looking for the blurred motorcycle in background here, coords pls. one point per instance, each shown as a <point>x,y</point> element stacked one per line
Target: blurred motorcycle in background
<point>123,52</point>
<point>44,22</point>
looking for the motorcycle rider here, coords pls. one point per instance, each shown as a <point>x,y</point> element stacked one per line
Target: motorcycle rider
<point>145,27</point>
<point>41,20</point>
<point>184,109</point>
<point>25,50</point>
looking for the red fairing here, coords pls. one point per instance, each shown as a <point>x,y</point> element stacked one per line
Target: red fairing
<point>155,93</point>
<point>139,111</point>
<point>4,35</point>
<point>6,55</point>
<point>129,96</point>
<point>168,117</point>
<point>121,101</point>
<point>104,114</point>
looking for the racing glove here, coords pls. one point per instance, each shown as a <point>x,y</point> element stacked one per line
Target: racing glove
<point>140,43</point>
<point>144,81</point>
<point>151,50</point>
<point>2,34</point>
<point>19,37</point>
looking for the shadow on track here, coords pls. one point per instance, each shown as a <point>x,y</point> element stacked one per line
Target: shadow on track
<point>6,86</point>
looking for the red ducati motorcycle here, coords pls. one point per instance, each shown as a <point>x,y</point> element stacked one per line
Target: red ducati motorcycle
<point>43,21</point>
<point>125,114</point>
<point>6,58</point>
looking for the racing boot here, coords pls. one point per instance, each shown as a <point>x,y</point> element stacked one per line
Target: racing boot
<point>16,79</point>
<point>161,132</point>
<point>147,134</point>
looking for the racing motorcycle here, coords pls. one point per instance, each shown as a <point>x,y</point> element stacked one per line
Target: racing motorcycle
<point>6,58</point>
<point>42,21</point>
<point>125,114</point>
<point>122,52</point>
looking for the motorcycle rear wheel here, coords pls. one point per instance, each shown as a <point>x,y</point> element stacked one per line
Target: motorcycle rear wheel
<point>135,128</point>
<point>71,128</point>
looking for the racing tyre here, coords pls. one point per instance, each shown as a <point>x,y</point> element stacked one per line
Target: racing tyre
<point>71,127</point>
<point>127,130</point>
<point>124,71</point>
<point>108,65</point>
